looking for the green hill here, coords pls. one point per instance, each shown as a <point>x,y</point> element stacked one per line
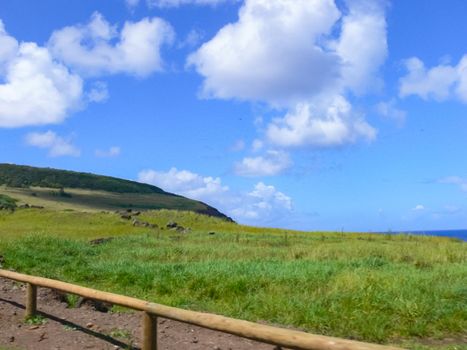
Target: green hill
<point>64,189</point>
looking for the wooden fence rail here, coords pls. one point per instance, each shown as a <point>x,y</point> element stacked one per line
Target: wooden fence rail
<point>267,334</point>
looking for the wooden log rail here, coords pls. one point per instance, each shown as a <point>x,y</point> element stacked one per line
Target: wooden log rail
<point>267,334</point>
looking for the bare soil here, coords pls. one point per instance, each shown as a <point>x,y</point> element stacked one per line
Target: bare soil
<point>84,327</point>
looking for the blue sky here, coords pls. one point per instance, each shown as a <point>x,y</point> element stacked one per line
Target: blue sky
<point>309,114</point>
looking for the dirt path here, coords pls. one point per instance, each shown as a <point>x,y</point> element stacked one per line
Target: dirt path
<point>85,328</point>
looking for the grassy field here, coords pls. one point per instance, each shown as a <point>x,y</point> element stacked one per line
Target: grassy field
<point>96,200</point>
<point>399,289</point>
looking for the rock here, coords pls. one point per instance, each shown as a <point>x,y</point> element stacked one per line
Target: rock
<point>89,325</point>
<point>180,229</point>
<point>100,241</point>
<point>171,224</point>
<point>125,216</point>
<point>96,305</point>
<point>212,233</point>
<point>136,213</point>
<point>24,206</point>
<point>12,339</point>
<point>141,223</point>
<point>36,207</point>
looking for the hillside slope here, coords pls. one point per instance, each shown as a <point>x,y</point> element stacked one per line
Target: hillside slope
<point>64,189</point>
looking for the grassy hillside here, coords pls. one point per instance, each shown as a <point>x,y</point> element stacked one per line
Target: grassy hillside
<point>6,202</point>
<point>25,176</point>
<point>61,189</point>
<point>400,289</point>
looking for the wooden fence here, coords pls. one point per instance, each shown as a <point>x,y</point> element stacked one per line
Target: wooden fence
<point>267,334</point>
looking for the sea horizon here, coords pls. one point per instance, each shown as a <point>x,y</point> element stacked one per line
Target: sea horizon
<point>459,233</point>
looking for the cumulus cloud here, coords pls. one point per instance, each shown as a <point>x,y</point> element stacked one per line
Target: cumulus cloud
<point>287,54</point>
<point>263,201</point>
<point>98,48</point>
<point>271,54</point>
<point>238,146</point>
<point>57,145</point>
<point>98,93</point>
<point>132,3</point>
<point>455,180</point>
<point>192,39</point>
<point>364,27</point>
<point>35,89</point>
<point>324,126</point>
<point>418,207</point>
<point>272,163</point>
<point>113,151</point>
<point>389,110</point>
<point>185,182</point>
<point>438,83</point>
<point>177,3</point>
<point>260,205</point>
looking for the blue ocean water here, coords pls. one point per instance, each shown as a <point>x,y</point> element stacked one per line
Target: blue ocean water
<point>460,234</point>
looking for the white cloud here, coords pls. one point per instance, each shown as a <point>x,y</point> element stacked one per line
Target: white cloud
<point>389,110</point>
<point>98,93</point>
<point>238,146</point>
<point>271,54</point>
<point>333,124</point>
<point>132,3</point>
<point>57,146</point>
<point>113,151</point>
<point>97,48</point>
<point>177,3</point>
<point>272,163</point>
<point>287,54</point>
<point>8,47</point>
<point>257,145</point>
<point>35,89</point>
<point>418,207</point>
<point>262,204</point>
<point>185,182</point>
<point>455,180</point>
<point>192,39</point>
<point>439,83</point>
<point>263,201</point>
<point>362,45</point>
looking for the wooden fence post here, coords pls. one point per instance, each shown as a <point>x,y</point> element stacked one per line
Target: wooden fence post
<point>31,300</point>
<point>149,331</point>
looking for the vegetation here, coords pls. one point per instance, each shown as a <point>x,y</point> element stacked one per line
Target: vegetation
<point>25,176</point>
<point>6,202</point>
<point>399,289</point>
<point>35,320</point>
<point>61,189</point>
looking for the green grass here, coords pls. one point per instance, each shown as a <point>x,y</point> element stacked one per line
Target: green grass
<point>35,320</point>
<point>6,202</point>
<point>380,288</point>
<point>96,200</point>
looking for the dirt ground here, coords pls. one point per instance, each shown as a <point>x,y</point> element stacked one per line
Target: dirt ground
<point>86,328</point>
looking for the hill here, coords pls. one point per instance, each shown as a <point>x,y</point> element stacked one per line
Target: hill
<point>64,189</point>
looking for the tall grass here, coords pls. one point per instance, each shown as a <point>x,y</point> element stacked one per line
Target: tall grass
<point>379,288</point>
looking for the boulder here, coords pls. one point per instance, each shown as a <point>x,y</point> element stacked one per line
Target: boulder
<point>98,241</point>
<point>171,224</point>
